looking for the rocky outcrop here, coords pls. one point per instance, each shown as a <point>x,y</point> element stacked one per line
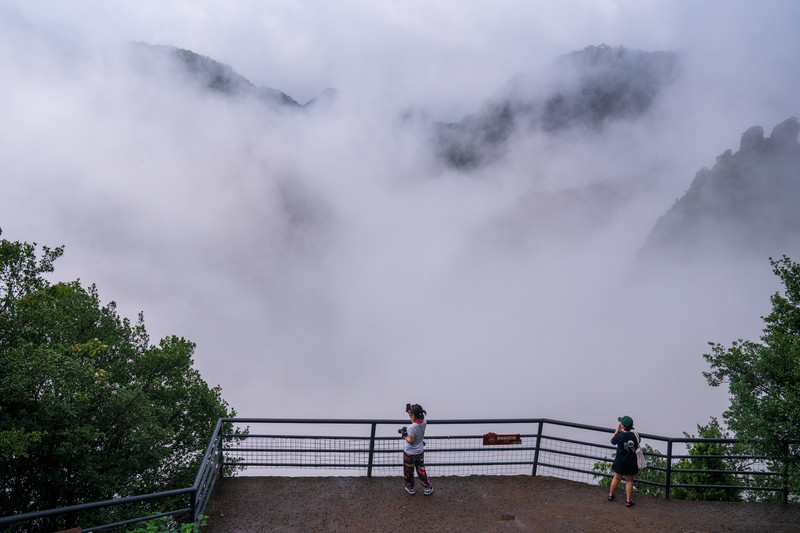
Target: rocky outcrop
<point>784,135</point>
<point>590,88</point>
<point>747,202</point>
<point>752,139</point>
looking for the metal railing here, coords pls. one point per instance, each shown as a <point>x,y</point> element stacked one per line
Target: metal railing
<point>452,447</point>
<point>198,495</point>
<point>546,447</point>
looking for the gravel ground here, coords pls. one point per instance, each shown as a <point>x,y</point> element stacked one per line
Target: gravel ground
<point>470,504</point>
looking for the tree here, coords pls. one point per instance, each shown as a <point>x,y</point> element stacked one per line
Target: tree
<point>20,274</point>
<point>710,464</point>
<point>89,409</point>
<point>764,379</point>
<point>20,271</point>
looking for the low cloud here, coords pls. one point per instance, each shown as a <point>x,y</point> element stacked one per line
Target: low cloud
<point>327,264</point>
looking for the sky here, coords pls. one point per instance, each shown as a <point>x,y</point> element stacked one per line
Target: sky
<point>325,265</point>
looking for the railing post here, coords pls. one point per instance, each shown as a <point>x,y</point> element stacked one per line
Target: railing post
<point>193,503</point>
<point>668,478</point>
<point>538,445</point>
<point>371,450</point>
<point>785,473</point>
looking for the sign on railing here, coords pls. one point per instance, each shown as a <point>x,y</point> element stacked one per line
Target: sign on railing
<point>493,439</point>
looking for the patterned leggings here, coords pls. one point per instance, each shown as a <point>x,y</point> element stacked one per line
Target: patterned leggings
<point>410,462</point>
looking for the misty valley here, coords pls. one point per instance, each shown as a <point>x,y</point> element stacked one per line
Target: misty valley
<point>521,214</point>
<point>573,220</point>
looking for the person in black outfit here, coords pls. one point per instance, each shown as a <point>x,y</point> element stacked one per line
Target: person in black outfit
<point>625,462</point>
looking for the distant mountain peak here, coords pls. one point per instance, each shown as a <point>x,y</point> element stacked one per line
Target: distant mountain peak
<point>589,88</point>
<point>747,201</point>
<point>214,76</point>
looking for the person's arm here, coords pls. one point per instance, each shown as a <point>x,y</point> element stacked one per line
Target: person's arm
<point>614,436</point>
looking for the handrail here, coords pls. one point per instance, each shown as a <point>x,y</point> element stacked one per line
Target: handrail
<point>94,505</point>
<point>213,460</point>
<point>209,448</point>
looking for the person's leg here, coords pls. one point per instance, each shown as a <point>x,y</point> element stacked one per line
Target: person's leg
<point>629,488</point>
<point>419,463</point>
<point>408,470</point>
<point>614,484</point>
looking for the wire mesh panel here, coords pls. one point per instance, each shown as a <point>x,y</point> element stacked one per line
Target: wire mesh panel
<point>677,467</point>
<point>292,452</point>
<point>462,456</point>
<point>299,451</point>
<point>568,459</point>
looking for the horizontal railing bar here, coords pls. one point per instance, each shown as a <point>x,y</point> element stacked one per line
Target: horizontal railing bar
<point>310,437</point>
<point>396,465</point>
<point>653,483</point>
<point>648,454</point>
<point>473,421</point>
<point>137,520</point>
<point>360,437</point>
<point>300,450</point>
<point>431,438</point>
<point>638,481</point>
<point>573,441</point>
<point>494,449</point>
<point>491,449</point>
<point>574,454</point>
<point>737,487</point>
<point>571,469</point>
<point>94,505</point>
<point>744,457</point>
<point>595,473</point>
<point>734,472</point>
<point>342,466</point>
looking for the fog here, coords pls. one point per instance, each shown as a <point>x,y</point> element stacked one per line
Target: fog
<point>328,265</point>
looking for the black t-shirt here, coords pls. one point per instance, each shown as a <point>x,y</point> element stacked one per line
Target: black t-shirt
<point>625,461</point>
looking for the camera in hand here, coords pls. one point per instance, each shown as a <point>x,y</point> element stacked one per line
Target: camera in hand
<point>408,407</point>
<point>403,431</point>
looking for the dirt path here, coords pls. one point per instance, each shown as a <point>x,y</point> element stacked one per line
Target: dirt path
<point>470,504</point>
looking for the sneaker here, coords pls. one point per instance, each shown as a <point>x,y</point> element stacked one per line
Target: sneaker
<point>428,490</point>
<point>411,491</point>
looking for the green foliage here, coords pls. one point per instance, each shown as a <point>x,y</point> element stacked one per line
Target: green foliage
<point>20,271</point>
<point>706,467</point>
<point>763,379</point>
<point>89,408</point>
<point>15,442</point>
<point>168,525</point>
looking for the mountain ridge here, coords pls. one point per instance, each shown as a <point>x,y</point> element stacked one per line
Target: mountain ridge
<point>590,88</point>
<point>747,201</point>
<point>220,78</point>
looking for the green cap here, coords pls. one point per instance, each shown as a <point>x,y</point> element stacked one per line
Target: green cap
<point>626,421</point>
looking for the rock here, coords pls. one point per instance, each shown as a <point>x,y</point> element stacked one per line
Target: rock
<point>784,135</point>
<point>752,139</point>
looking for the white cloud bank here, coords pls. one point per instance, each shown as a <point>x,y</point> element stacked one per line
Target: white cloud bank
<point>324,265</point>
